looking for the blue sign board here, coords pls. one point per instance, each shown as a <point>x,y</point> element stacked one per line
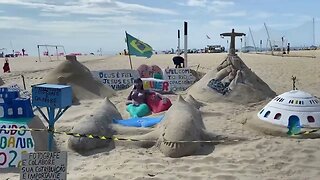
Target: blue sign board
<point>51,95</point>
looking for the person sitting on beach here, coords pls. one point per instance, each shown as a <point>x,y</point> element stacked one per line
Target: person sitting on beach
<point>137,99</point>
<point>6,67</point>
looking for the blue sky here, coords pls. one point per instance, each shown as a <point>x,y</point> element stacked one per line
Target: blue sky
<point>87,25</point>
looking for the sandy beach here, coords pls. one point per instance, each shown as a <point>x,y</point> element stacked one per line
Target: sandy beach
<point>259,156</point>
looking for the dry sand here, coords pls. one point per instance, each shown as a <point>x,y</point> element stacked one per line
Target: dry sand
<point>262,156</point>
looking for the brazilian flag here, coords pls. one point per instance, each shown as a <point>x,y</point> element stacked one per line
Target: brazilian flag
<point>137,47</point>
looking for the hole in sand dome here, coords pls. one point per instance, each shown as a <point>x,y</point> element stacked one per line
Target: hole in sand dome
<point>310,119</point>
<point>266,114</point>
<point>277,116</point>
<point>261,111</point>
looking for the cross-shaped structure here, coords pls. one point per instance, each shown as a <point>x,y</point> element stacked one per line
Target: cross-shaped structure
<point>232,50</point>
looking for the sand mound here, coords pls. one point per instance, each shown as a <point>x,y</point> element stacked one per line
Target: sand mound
<point>252,122</point>
<point>1,82</point>
<point>97,123</point>
<point>232,81</point>
<point>83,84</point>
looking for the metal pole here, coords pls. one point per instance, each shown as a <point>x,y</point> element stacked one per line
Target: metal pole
<point>185,64</point>
<point>64,50</point>
<point>128,50</point>
<point>24,83</point>
<point>254,44</point>
<point>57,52</point>
<point>241,44</point>
<point>314,32</point>
<point>268,38</point>
<point>51,127</point>
<point>178,41</point>
<point>39,53</point>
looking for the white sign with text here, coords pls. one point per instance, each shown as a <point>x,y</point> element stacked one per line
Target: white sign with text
<point>179,79</point>
<point>117,79</point>
<point>44,165</point>
<point>13,143</point>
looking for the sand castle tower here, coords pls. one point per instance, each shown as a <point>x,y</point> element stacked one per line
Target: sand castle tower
<point>293,107</point>
<point>232,80</point>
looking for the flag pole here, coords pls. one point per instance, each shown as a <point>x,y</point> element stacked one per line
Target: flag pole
<point>128,50</point>
<point>185,64</point>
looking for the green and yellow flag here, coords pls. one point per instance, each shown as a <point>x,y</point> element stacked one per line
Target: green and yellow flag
<point>137,47</point>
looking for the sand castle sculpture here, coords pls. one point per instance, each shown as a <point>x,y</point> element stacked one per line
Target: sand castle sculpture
<point>232,80</point>
<point>182,122</point>
<point>99,122</point>
<point>79,77</point>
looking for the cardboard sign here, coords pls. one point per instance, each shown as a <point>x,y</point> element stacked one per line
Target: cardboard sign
<point>44,165</point>
<point>117,79</point>
<point>156,84</point>
<point>13,144</point>
<point>180,79</point>
<point>51,95</point>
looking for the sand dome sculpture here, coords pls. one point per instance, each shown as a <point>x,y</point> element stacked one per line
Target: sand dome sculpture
<point>232,80</point>
<point>292,107</point>
<point>79,77</point>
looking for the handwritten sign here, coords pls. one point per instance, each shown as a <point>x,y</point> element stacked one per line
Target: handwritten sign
<point>14,143</point>
<point>180,79</point>
<point>44,165</point>
<point>156,84</point>
<point>23,93</point>
<point>117,79</point>
<point>51,95</point>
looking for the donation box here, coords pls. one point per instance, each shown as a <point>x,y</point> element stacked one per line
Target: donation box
<point>51,95</point>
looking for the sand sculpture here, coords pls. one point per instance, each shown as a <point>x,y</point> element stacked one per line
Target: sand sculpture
<point>84,85</point>
<point>232,80</point>
<point>182,122</point>
<point>193,102</point>
<point>1,82</point>
<point>294,110</point>
<point>40,137</point>
<point>99,123</point>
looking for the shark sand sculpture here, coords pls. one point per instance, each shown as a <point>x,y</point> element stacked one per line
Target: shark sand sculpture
<point>182,122</point>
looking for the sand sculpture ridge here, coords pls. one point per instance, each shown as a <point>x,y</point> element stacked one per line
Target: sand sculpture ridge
<point>99,122</point>
<point>83,84</point>
<point>1,82</point>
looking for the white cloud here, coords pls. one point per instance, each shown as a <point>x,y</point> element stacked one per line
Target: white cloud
<point>122,20</point>
<point>10,18</point>
<point>219,23</point>
<point>48,14</point>
<point>89,7</point>
<point>141,8</point>
<point>233,14</point>
<point>90,25</point>
<point>199,3</point>
<point>220,6</point>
